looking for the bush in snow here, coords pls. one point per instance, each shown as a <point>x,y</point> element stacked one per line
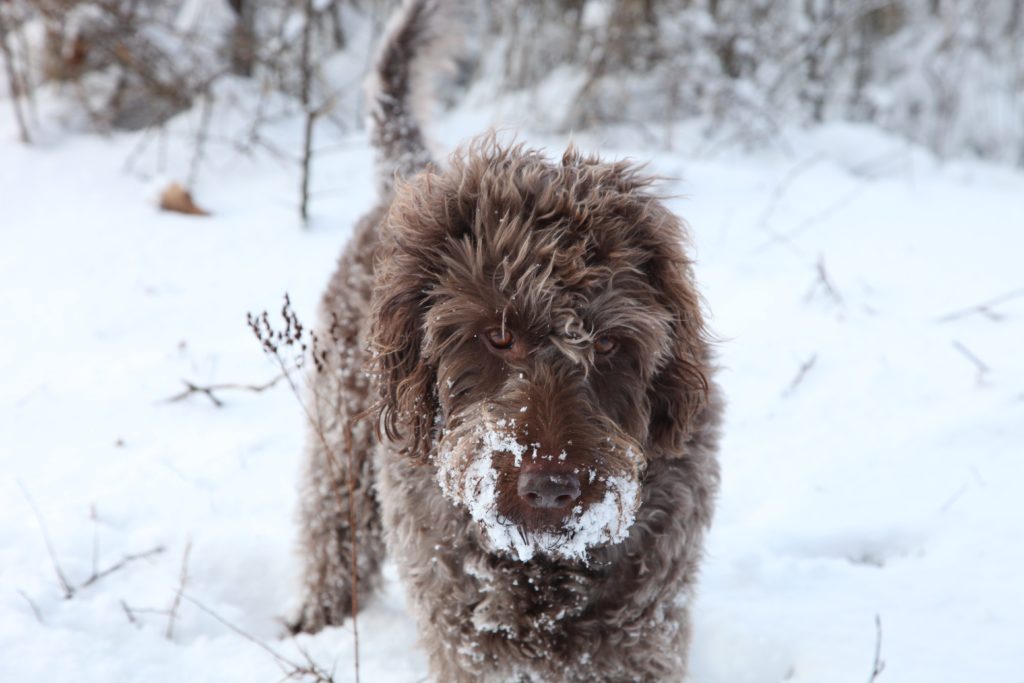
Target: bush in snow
<point>946,73</point>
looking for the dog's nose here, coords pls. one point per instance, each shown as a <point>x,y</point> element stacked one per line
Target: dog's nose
<point>542,489</point>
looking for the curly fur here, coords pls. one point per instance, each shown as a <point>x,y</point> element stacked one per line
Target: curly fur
<point>560,254</point>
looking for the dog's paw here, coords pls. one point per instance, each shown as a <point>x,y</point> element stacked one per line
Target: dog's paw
<point>314,615</point>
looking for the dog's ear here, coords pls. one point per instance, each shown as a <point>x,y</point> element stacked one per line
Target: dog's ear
<point>408,402</point>
<point>679,391</point>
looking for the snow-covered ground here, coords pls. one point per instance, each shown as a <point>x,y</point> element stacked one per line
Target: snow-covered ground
<point>872,459</point>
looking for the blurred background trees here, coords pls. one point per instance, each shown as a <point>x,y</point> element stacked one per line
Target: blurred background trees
<point>946,73</point>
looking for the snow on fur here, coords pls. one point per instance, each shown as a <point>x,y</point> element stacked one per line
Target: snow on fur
<point>475,486</point>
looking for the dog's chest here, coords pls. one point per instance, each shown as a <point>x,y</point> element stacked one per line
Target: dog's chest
<point>521,600</point>
<point>449,571</point>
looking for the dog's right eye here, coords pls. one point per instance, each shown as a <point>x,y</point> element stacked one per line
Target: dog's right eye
<point>500,338</point>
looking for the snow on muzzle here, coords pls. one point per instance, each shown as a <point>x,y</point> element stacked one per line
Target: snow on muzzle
<point>527,501</point>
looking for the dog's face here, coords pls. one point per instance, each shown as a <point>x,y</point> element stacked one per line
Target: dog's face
<point>537,335</point>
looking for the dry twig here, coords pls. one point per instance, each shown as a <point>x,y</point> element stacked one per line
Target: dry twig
<point>292,670</point>
<point>192,388</point>
<point>12,78</point>
<point>96,575</point>
<point>805,367</point>
<point>272,341</point>
<point>879,664</point>
<point>33,605</point>
<point>172,614</point>
<point>95,538</point>
<point>311,113</point>
<point>128,612</point>
<point>984,308</point>
<point>117,566</point>
<point>307,164</point>
<point>979,364</point>
<point>65,585</point>
<point>202,135</point>
<point>825,283</point>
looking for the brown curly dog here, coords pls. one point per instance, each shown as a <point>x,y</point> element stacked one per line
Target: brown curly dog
<point>542,467</point>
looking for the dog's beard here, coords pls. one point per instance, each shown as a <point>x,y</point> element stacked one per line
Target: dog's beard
<point>468,476</point>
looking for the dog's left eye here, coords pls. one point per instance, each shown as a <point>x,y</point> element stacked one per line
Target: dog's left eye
<point>500,338</point>
<point>605,344</point>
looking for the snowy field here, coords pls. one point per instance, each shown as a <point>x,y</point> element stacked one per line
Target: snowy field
<point>872,458</point>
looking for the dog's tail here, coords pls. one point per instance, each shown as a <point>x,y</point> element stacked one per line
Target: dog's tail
<point>396,87</point>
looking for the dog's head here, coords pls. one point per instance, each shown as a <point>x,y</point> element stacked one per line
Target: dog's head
<point>537,335</point>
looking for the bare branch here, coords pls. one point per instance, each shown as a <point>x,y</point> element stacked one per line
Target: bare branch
<point>306,67</point>
<point>984,308</point>
<point>128,612</point>
<point>805,367</point>
<point>333,11</point>
<point>953,499</point>
<point>26,57</point>
<point>313,669</point>
<point>825,283</point>
<point>33,605</point>
<point>95,538</point>
<point>979,364</point>
<point>354,575</point>
<point>120,564</point>
<point>202,134</point>
<point>182,581</point>
<point>12,78</point>
<point>293,670</point>
<point>281,659</point>
<point>272,342</point>
<point>192,388</point>
<point>307,162</point>
<point>243,41</point>
<point>879,664</point>
<point>66,587</point>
